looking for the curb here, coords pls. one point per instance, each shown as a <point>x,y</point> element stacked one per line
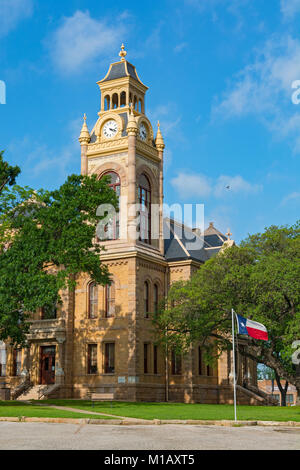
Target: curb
<point>137,422</point>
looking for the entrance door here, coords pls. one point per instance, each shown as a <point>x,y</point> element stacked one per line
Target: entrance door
<point>47,365</point>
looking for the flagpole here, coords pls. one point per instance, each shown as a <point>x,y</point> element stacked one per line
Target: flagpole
<point>233,367</point>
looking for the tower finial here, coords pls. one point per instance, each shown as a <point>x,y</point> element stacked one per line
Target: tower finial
<point>84,137</point>
<point>122,53</point>
<point>228,234</point>
<point>159,141</point>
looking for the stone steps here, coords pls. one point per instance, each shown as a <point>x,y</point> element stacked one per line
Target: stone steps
<point>37,392</point>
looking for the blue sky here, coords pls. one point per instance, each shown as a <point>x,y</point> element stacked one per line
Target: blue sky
<point>220,76</point>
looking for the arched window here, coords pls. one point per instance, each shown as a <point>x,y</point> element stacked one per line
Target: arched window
<point>115,101</point>
<point>107,103</point>
<point>110,300</point>
<point>135,103</point>
<point>123,99</point>
<point>93,299</point>
<point>112,228</point>
<point>146,299</point>
<point>145,209</point>
<point>2,359</point>
<point>155,299</point>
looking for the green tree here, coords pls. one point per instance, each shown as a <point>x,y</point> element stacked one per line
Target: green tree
<point>8,174</point>
<point>46,239</point>
<point>260,280</point>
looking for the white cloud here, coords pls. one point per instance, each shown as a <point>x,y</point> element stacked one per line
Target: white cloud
<point>235,8</point>
<point>180,47</point>
<point>39,160</point>
<point>289,8</point>
<point>154,40</point>
<point>190,185</point>
<point>235,184</point>
<point>81,39</point>
<point>264,89</point>
<point>222,217</point>
<point>290,197</point>
<point>12,12</point>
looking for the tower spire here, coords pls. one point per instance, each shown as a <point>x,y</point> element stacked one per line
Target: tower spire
<point>122,53</point>
<point>159,141</point>
<point>84,137</point>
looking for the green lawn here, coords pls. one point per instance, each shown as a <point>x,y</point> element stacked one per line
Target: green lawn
<point>17,409</point>
<point>185,411</point>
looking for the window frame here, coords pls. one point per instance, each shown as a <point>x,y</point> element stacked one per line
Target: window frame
<point>106,358</point>
<point>17,364</point>
<point>145,202</point>
<point>94,302</point>
<point>110,300</point>
<point>155,298</point>
<point>146,358</point>
<point>90,365</point>
<point>116,186</point>
<point>3,357</point>
<point>155,359</point>
<point>200,361</point>
<point>174,363</point>
<point>146,299</point>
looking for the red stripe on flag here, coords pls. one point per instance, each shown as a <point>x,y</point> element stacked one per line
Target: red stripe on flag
<point>257,334</point>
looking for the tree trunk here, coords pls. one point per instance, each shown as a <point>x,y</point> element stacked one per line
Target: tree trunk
<point>283,391</point>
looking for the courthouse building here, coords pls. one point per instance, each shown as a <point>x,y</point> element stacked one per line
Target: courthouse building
<point>101,338</point>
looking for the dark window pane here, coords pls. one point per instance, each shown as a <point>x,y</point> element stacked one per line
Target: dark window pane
<point>146,300</point>
<point>176,364</point>
<point>146,358</point>
<point>92,359</point>
<point>199,361</point>
<point>155,350</point>
<point>49,312</point>
<point>109,358</point>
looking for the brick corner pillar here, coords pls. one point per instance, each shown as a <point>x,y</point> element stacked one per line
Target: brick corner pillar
<point>84,140</point>
<point>160,145</point>
<point>132,130</point>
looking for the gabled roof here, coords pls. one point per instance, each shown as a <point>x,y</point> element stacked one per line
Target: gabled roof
<point>213,236</point>
<point>184,243</point>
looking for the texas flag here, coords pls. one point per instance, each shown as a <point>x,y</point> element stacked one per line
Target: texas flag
<point>251,328</point>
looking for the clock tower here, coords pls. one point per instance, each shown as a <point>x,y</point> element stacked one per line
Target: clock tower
<point>122,144</point>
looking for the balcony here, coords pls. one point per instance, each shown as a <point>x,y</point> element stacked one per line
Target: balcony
<point>47,329</point>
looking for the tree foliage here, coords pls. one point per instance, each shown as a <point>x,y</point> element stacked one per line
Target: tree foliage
<point>46,239</point>
<point>8,174</point>
<point>261,281</point>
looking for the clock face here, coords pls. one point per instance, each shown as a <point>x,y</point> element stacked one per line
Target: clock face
<point>143,132</point>
<point>110,129</point>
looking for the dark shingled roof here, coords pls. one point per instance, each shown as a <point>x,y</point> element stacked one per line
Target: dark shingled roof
<point>183,243</point>
<point>120,70</point>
